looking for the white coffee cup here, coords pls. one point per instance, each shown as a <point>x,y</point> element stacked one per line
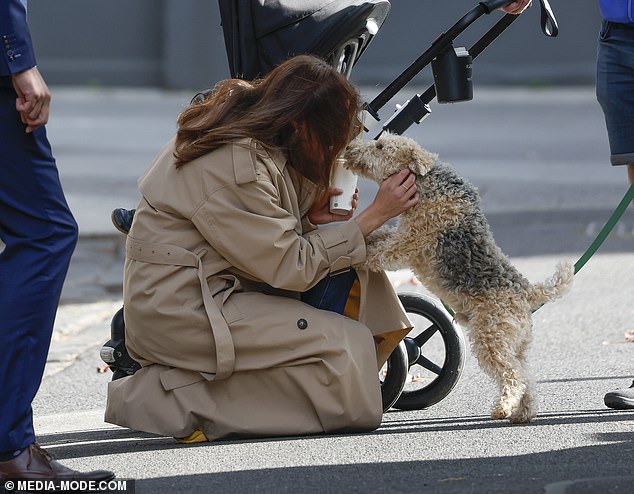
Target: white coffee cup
<point>345,180</point>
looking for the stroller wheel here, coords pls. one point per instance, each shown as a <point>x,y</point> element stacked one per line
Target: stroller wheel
<point>393,376</point>
<point>436,353</point>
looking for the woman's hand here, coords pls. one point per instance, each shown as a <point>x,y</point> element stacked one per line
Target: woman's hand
<point>319,213</point>
<point>517,7</point>
<point>396,194</point>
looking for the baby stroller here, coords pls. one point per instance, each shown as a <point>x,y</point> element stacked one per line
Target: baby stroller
<point>259,34</point>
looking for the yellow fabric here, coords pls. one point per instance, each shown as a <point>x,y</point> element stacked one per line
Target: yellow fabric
<point>385,342</point>
<point>195,437</point>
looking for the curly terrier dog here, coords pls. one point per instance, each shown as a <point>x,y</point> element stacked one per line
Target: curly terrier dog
<point>446,240</point>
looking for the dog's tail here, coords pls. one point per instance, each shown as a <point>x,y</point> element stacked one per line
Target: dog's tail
<point>554,287</point>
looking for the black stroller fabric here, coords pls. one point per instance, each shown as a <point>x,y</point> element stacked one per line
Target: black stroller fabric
<point>260,34</point>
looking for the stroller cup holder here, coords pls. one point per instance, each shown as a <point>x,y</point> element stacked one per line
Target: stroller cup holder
<point>452,75</point>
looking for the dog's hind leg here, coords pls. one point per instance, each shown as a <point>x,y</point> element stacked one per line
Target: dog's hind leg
<point>494,349</point>
<point>526,409</point>
<point>527,406</point>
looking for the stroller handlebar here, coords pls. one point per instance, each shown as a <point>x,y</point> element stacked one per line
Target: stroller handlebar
<point>548,20</point>
<point>548,24</point>
<point>416,109</point>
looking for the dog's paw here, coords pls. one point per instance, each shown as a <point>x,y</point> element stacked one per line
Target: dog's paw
<point>373,261</point>
<point>378,259</point>
<point>501,411</point>
<point>522,416</point>
<point>525,411</point>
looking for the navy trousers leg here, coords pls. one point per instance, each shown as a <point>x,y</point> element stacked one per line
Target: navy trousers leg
<point>39,235</point>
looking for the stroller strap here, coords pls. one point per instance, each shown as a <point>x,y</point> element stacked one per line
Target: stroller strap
<point>548,20</point>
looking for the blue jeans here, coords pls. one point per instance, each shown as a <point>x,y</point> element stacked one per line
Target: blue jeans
<point>615,88</point>
<point>331,293</point>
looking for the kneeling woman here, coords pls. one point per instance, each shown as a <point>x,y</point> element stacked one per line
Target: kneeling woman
<point>224,246</point>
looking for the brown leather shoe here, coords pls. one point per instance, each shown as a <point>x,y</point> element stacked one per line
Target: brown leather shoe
<point>34,463</point>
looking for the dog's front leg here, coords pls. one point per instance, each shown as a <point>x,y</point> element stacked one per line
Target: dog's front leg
<point>382,250</point>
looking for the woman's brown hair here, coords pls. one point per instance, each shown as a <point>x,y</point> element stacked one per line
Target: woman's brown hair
<point>303,99</point>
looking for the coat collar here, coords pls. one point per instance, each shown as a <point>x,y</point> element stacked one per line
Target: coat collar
<point>275,154</point>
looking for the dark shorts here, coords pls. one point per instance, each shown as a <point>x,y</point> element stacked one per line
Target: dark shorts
<point>615,88</point>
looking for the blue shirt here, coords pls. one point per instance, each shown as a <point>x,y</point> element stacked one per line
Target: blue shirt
<point>621,11</point>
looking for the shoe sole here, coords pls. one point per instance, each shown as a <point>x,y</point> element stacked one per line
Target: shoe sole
<point>619,403</point>
<point>114,217</point>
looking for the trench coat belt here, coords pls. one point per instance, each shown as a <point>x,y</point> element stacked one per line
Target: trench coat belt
<point>177,256</point>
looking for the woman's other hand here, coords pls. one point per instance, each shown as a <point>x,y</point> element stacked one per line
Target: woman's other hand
<point>320,214</point>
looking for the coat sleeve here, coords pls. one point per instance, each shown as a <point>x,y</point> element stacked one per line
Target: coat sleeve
<point>16,47</point>
<point>247,225</point>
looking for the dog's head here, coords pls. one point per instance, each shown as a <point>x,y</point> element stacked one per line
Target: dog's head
<point>387,155</point>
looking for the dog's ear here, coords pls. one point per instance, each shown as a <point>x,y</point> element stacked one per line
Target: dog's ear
<point>420,160</point>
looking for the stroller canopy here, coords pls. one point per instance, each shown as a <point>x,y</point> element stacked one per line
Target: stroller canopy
<point>260,34</point>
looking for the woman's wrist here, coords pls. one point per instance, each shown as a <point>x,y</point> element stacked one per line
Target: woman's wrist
<point>369,220</point>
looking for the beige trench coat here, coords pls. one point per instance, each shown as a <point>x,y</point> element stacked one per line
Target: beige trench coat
<point>215,260</point>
